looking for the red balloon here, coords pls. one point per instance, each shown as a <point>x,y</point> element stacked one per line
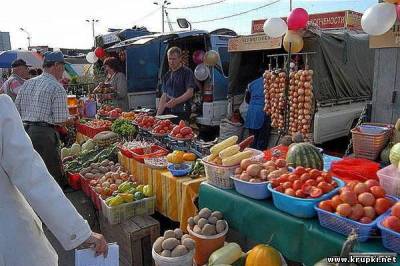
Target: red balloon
<point>297,19</point>
<point>398,11</point>
<point>99,52</point>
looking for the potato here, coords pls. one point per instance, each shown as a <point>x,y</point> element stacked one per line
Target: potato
<point>103,169</point>
<point>104,163</point>
<point>245,163</point>
<point>254,169</point>
<point>238,171</point>
<point>218,215</point>
<point>196,219</point>
<point>202,222</point>
<point>184,237</point>
<point>157,246</point>
<point>245,176</point>
<point>169,234</point>
<point>108,174</point>
<point>204,213</point>
<point>209,230</point>
<point>179,251</point>
<point>221,225</point>
<point>188,243</point>
<point>89,176</point>
<point>166,253</point>
<point>178,233</point>
<point>197,229</point>
<point>212,220</point>
<point>170,243</point>
<point>264,175</point>
<point>191,222</point>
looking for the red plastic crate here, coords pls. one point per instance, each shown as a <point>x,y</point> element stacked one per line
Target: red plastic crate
<point>125,151</point>
<point>89,131</point>
<point>85,185</point>
<point>139,154</point>
<point>74,180</point>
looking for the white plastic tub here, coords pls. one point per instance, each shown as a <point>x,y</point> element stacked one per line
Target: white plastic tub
<point>186,260</point>
<point>389,179</point>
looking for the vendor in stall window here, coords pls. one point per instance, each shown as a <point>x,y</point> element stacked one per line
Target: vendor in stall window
<point>178,87</point>
<point>257,121</point>
<point>117,81</point>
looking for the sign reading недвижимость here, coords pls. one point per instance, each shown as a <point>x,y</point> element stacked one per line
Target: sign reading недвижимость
<point>253,43</point>
<point>332,20</point>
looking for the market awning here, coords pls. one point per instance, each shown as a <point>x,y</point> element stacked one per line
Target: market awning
<point>31,58</point>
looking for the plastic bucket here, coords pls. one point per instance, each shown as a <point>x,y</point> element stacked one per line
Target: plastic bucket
<point>186,260</point>
<point>206,245</point>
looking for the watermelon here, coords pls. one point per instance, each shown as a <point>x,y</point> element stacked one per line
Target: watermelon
<point>306,155</point>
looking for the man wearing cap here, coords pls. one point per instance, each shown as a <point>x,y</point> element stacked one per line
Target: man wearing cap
<point>19,74</point>
<point>42,104</point>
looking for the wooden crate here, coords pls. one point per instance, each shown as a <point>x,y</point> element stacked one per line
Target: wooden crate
<point>135,238</point>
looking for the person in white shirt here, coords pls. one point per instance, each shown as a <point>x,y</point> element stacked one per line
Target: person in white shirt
<point>27,192</point>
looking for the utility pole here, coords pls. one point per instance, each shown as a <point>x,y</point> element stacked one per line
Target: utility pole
<point>163,5</point>
<point>291,5</point>
<point>29,37</point>
<point>93,21</point>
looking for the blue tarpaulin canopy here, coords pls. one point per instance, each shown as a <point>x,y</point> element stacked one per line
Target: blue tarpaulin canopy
<point>31,58</point>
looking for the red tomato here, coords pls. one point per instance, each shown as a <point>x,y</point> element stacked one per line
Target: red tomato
<point>314,173</point>
<point>369,212</point>
<point>320,179</point>
<point>297,185</point>
<point>336,201</point>
<point>349,197</point>
<point>300,194</point>
<point>275,183</point>
<point>344,209</point>
<point>371,183</point>
<point>366,199</point>
<point>352,184</point>
<point>366,220</point>
<point>378,191</point>
<point>162,131</point>
<point>287,185</point>
<point>311,182</point>
<point>293,177</point>
<point>179,136</point>
<point>279,189</point>
<point>334,184</point>
<point>396,210</point>
<point>176,130</point>
<point>290,192</point>
<point>357,212</point>
<point>306,189</point>
<point>182,124</point>
<point>393,223</point>
<point>327,177</point>
<point>186,131</point>
<point>360,188</point>
<point>325,187</point>
<point>308,170</point>
<point>316,192</point>
<point>305,177</point>
<point>299,170</point>
<point>382,205</point>
<point>326,205</point>
<point>283,178</point>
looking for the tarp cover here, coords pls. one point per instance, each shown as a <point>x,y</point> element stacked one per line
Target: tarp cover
<point>343,66</point>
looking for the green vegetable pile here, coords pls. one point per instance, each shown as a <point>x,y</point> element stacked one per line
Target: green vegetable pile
<point>197,170</point>
<point>123,127</point>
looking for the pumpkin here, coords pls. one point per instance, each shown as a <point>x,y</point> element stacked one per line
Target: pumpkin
<point>306,155</point>
<point>394,155</point>
<point>385,153</point>
<point>263,255</point>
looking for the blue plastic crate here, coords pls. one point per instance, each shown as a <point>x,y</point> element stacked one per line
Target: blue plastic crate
<point>390,238</point>
<point>303,208</point>
<point>183,171</point>
<point>344,225</point>
<point>256,191</point>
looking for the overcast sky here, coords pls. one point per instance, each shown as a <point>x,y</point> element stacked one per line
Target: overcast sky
<point>62,23</point>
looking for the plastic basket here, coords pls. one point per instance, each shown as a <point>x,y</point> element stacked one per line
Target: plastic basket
<point>140,154</point>
<point>344,225</point>
<point>120,213</point>
<point>389,179</point>
<point>390,238</point>
<point>85,185</point>
<point>185,260</point>
<point>220,176</point>
<point>367,145</point>
<point>256,191</point>
<point>89,131</point>
<point>74,180</point>
<point>303,208</point>
<point>184,171</point>
<point>95,198</point>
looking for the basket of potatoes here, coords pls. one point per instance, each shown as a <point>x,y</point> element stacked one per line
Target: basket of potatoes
<point>173,249</point>
<point>208,229</point>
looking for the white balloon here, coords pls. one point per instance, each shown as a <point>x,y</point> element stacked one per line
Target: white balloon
<point>201,72</point>
<point>379,18</point>
<point>91,58</point>
<point>275,27</point>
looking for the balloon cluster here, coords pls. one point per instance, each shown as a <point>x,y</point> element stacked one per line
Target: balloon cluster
<point>203,61</point>
<point>380,18</point>
<point>92,57</point>
<point>277,27</point>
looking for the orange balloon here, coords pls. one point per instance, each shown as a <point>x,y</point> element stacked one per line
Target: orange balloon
<point>211,58</point>
<point>293,41</point>
<point>392,1</point>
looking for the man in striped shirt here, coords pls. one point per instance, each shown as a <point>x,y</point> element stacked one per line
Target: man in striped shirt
<point>42,104</point>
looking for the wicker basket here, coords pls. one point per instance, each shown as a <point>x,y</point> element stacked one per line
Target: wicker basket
<point>369,146</point>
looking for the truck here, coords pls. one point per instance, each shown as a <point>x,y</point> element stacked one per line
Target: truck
<point>146,64</point>
<point>343,68</point>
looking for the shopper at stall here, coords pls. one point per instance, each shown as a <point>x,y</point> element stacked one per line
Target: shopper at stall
<point>19,74</point>
<point>177,87</point>
<point>42,103</point>
<point>27,190</point>
<point>257,121</point>
<point>117,81</point>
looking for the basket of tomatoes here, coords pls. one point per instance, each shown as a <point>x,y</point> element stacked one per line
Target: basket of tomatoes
<point>162,128</point>
<point>389,224</point>
<point>182,132</point>
<point>298,192</point>
<point>356,207</point>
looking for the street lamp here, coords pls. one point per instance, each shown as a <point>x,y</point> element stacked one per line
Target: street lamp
<point>93,33</point>
<point>29,37</point>
<point>164,5</point>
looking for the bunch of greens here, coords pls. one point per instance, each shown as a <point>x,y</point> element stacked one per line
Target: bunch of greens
<point>123,127</point>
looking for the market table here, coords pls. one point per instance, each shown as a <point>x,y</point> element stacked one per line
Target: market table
<point>301,240</point>
<point>174,195</point>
